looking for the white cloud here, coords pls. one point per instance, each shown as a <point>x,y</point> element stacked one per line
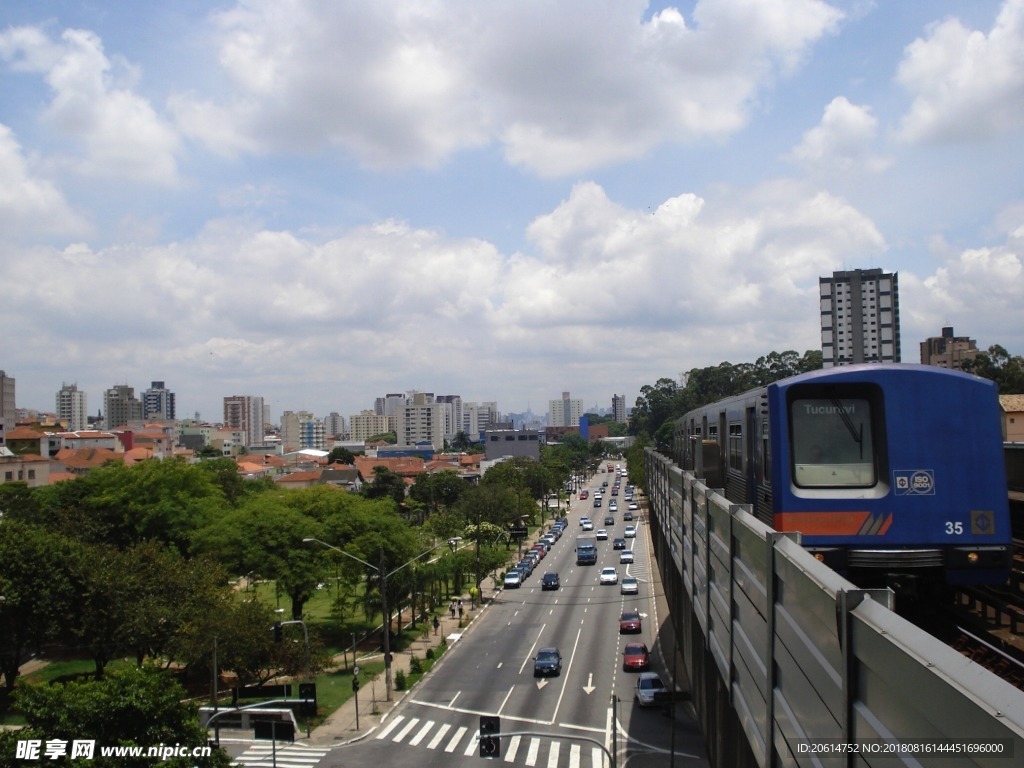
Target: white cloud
<point>30,205</point>
<point>966,84</point>
<point>94,102</point>
<point>841,142</point>
<point>563,88</point>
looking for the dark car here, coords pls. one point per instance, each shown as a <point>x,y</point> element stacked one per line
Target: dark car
<point>629,621</point>
<point>549,581</point>
<point>609,520</point>
<point>619,543</point>
<point>548,661</point>
<point>635,657</point>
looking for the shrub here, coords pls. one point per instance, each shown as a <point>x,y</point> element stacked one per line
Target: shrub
<point>415,666</point>
<point>400,680</point>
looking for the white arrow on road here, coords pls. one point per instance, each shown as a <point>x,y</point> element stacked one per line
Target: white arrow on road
<point>541,683</point>
<point>589,687</point>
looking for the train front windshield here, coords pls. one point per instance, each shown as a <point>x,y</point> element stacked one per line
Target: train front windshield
<point>832,443</point>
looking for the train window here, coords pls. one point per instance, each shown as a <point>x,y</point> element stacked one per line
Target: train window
<point>736,446</point>
<point>832,443</point>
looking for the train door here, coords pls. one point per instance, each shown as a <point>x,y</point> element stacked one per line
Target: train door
<point>749,453</point>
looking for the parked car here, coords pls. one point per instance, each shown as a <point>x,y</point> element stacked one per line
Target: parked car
<point>626,556</point>
<point>609,576</point>
<point>629,622</point>
<point>549,581</point>
<point>548,661</point>
<point>629,586</point>
<point>635,657</point>
<point>513,579</point>
<point>648,686</point>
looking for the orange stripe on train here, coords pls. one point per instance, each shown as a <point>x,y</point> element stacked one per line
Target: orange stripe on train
<point>834,523</point>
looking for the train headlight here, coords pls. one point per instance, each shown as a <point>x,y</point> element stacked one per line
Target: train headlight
<point>972,557</point>
<point>819,556</point>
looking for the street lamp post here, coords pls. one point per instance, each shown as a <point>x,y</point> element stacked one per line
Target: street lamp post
<point>384,575</point>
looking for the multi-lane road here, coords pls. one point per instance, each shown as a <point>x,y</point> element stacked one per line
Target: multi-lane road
<point>564,721</point>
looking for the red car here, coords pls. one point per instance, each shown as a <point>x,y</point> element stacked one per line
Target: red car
<point>584,494</point>
<point>635,657</point>
<point>629,621</point>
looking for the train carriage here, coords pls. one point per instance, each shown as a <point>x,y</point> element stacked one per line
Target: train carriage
<point>893,474</point>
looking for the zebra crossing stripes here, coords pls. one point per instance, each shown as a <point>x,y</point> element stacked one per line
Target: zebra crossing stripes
<point>260,755</point>
<point>524,750</point>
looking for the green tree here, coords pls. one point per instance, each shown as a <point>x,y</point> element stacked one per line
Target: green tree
<point>438,490</point>
<point>37,588</point>
<point>339,455</point>
<point>385,484</point>
<point>999,366</point>
<point>265,535</point>
<point>134,706</point>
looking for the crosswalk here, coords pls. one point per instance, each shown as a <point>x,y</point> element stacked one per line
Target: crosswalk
<point>285,756</point>
<point>530,751</point>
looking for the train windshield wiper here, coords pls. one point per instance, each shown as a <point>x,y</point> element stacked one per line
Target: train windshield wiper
<point>856,430</point>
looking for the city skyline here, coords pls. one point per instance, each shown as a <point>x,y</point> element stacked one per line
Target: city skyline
<point>504,202</point>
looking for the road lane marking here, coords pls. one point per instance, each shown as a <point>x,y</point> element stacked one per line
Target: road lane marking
<point>513,746</point>
<point>445,727</point>
<point>553,755</point>
<point>422,733</point>
<point>456,739</point>
<point>405,731</point>
<point>394,724</point>
<point>531,753</point>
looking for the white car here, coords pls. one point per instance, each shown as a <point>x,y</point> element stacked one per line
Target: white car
<point>626,556</point>
<point>513,580</point>
<point>630,532</point>
<point>609,576</point>
<point>587,525</point>
<point>633,506</point>
<point>602,534</point>
<point>584,519</point>
<point>629,586</point>
<point>648,687</point>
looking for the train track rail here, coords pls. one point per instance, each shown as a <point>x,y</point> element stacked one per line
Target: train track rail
<point>986,623</point>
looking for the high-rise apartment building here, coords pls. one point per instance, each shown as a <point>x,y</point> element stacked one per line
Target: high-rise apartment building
<point>120,406</point>
<point>860,317</point>
<point>158,402</point>
<point>334,424</point>
<point>947,350</point>
<point>479,417</point>
<point>366,424</point>
<point>247,413</point>
<point>6,404</point>
<point>73,407</point>
<point>565,412</point>
<point>423,421</point>
<point>301,430</point>
<point>619,408</point>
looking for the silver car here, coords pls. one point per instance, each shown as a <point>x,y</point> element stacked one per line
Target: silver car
<point>648,686</point>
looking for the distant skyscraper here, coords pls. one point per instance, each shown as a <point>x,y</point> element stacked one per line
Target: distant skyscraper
<point>120,406</point>
<point>158,402</point>
<point>246,413</point>
<point>73,407</point>
<point>565,412</point>
<point>860,317</point>
<point>301,430</point>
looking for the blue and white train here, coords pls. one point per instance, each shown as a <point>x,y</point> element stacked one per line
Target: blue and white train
<point>893,474</point>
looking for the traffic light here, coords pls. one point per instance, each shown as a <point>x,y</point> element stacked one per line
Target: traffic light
<point>278,632</point>
<point>355,684</point>
<point>490,736</point>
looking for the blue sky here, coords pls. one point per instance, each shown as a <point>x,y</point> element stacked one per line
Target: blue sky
<point>323,202</point>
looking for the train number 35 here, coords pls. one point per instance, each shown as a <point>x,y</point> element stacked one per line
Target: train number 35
<point>954,528</point>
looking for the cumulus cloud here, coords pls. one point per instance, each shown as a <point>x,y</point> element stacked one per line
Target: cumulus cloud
<point>841,142</point>
<point>966,84</point>
<point>562,88</point>
<point>94,102</point>
<point>31,205</point>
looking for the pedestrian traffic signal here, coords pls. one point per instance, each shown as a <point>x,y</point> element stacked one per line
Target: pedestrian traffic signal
<point>355,684</point>
<point>490,736</point>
